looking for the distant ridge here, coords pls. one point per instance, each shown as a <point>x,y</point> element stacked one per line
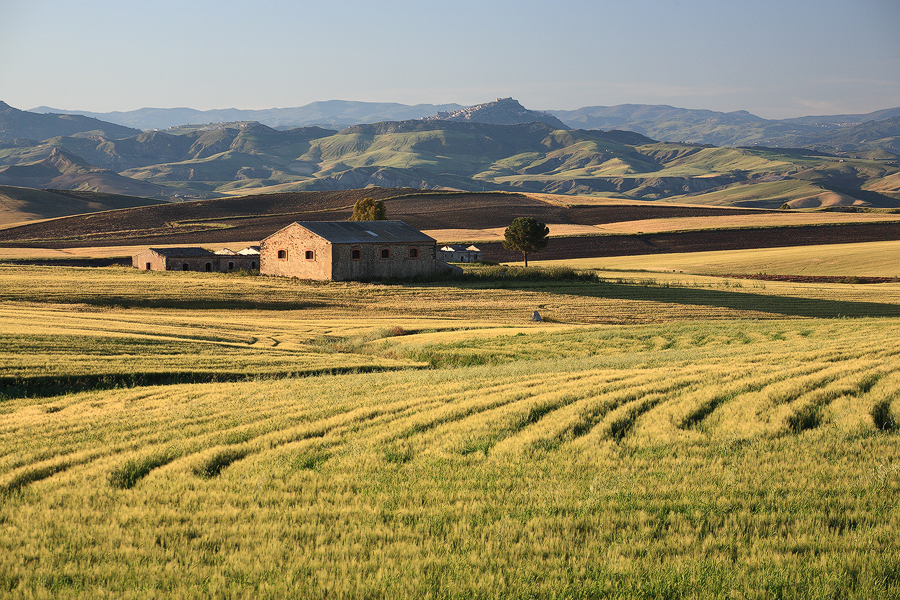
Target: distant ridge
<point>332,112</point>
<point>660,122</point>
<point>18,124</point>
<point>503,111</point>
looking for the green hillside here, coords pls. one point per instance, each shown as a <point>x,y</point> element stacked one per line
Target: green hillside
<point>211,161</point>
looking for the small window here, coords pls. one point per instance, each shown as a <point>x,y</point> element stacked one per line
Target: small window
<point>231,266</point>
<point>414,253</point>
<point>185,267</point>
<point>310,255</point>
<point>208,267</point>
<point>356,254</point>
<point>148,266</point>
<point>385,253</point>
<point>282,255</point>
<point>253,265</point>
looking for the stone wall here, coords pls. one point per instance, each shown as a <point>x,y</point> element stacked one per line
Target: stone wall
<point>371,265</point>
<point>335,261</point>
<point>149,261</point>
<point>217,263</point>
<point>295,241</point>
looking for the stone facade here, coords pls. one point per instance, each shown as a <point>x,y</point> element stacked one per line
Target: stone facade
<point>192,259</point>
<point>349,250</point>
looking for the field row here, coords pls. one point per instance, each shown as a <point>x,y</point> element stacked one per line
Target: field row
<point>727,460</point>
<point>427,441</point>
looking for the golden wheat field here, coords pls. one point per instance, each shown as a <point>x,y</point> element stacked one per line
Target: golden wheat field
<point>198,435</point>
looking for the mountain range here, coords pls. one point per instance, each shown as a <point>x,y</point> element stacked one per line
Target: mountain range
<point>664,123</point>
<point>527,150</point>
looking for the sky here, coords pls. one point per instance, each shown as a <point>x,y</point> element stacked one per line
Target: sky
<point>773,58</point>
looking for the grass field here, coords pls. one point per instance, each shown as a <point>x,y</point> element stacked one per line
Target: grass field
<point>869,259</point>
<point>662,436</point>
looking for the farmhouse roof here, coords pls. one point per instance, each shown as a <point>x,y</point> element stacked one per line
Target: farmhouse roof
<point>182,252</point>
<point>366,232</point>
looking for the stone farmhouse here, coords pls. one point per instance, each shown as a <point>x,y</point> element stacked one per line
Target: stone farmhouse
<point>195,259</point>
<point>461,254</point>
<point>349,250</point>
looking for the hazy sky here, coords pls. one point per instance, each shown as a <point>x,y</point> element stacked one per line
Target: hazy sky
<point>775,58</point>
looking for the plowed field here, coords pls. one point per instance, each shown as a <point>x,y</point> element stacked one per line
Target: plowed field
<point>256,217</point>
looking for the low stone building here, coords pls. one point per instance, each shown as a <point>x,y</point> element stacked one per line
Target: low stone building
<point>461,254</point>
<point>193,259</point>
<point>349,250</point>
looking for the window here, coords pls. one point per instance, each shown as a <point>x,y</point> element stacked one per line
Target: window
<point>185,267</point>
<point>148,266</point>
<point>310,255</point>
<point>253,265</point>
<point>385,253</point>
<point>208,267</point>
<point>414,253</point>
<point>282,255</point>
<point>356,254</point>
<point>231,266</point>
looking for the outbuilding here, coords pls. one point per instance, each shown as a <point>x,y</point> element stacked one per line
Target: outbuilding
<point>459,253</point>
<point>349,250</point>
<point>193,259</point>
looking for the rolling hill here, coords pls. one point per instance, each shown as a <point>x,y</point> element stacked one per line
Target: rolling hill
<point>460,154</point>
<point>19,205</point>
<point>875,133</point>
<point>474,217</point>
<point>257,216</point>
<point>665,123</point>
<point>63,170</point>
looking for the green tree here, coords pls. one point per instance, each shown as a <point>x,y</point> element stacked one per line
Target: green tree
<point>368,209</point>
<point>526,234</point>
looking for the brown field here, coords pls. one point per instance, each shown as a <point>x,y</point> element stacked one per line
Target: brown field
<point>600,229</point>
<point>224,220</point>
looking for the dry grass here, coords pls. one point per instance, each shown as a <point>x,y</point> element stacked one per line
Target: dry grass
<point>678,456</point>
<point>869,259</point>
<point>639,461</point>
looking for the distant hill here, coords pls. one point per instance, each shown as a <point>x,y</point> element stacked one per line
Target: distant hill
<point>238,158</point>
<point>660,122</point>
<point>504,111</point>
<point>66,171</point>
<point>20,205</point>
<point>740,128</point>
<point>22,125</point>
